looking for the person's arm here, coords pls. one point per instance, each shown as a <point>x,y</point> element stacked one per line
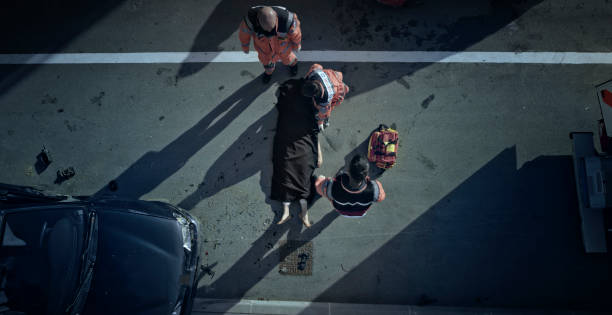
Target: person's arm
<point>379,192</point>
<point>295,34</point>
<point>341,93</point>
<point>323,186</point>
<point>245,36</point>
<point>321,116</point>
<point>319,153</point>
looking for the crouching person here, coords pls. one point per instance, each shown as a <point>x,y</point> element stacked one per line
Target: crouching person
<point>327,91</point>
<point>351,193</point>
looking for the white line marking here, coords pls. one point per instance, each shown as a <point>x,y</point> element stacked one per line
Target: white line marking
<point>317,56</point>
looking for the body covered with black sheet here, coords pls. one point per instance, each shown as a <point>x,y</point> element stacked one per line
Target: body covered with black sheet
<point>295,144</point>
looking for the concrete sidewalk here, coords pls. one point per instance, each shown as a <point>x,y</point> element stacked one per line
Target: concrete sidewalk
<point>220,306</point>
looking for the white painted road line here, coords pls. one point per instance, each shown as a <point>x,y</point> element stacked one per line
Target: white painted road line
<point>317,56</point>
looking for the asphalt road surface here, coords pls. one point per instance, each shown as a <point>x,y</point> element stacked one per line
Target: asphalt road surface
<point>481,208</point>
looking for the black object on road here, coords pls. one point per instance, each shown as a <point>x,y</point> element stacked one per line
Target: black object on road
<point>64,174</point>
<point>43,160</point>
<point>295,144</point>
<point>266,78</point>
<point>112,185</point>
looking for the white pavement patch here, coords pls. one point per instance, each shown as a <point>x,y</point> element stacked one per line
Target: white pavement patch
<point>317,56</point>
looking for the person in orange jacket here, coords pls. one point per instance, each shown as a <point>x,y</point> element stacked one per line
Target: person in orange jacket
<point>276,35</point>
<point>327,90</point>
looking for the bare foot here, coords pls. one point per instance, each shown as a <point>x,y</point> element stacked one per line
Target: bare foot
<point>283,220</point>
<point>285,216</point>
<point>304,217</point>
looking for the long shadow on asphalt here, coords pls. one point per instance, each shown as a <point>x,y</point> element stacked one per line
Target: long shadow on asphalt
<point>250,154</point>
<point>43,27</point>
<point>346,24</point>
<point>502,238</point>
<point>155,167</point>
<point>442,25</point>
<point>262,257</point>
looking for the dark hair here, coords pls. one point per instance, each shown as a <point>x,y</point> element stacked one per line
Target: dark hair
<point>310,88</point>
<point>358,169</point>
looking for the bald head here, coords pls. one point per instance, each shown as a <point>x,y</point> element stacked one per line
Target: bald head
<point>267,18</point>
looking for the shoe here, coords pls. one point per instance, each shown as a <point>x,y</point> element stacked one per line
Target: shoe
<point>293,69</point>
<point>266,78</point>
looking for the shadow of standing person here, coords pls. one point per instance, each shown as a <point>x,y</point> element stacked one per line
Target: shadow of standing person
<point>154,167</point>
<point>249,154</point>
<point>252,153</point>
<point>220,25</point>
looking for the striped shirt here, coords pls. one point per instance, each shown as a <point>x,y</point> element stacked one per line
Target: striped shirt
<point>348,201</point>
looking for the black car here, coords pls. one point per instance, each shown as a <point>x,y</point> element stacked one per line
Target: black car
<point>80,255</point>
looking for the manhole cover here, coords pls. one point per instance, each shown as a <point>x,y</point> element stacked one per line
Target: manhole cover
<point>295,258</point>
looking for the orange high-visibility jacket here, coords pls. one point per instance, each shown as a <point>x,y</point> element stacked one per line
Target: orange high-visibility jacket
<point>334,90</point>
<point>287,34</point>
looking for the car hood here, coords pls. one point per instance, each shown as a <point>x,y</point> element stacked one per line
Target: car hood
<point>139,264</point>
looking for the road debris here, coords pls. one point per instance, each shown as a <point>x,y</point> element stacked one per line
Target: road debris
<point>43,160</point>
<point>64,174</point>
<point>112,185</point>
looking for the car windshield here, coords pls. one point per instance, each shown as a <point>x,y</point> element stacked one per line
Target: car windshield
<point>40,256</point>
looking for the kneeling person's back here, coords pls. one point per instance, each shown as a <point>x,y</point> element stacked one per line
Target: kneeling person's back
<point>351,193</point>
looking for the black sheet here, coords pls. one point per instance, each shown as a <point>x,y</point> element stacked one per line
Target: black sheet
<point>295,144</point>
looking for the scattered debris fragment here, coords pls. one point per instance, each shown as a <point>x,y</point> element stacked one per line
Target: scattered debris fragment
<point>160,71</point>
<point>97,100</point>
<point>207,270</point>
<point>303,259</point>
<point>48,99</point>
<point>67,172</point>
<point>44,156</point>
<point>29,170</point>
<point>428,100</point>
<point>43,159</point>
<point>64,174</point>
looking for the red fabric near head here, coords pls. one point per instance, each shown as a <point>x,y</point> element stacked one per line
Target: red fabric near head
<point>607,97</point>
